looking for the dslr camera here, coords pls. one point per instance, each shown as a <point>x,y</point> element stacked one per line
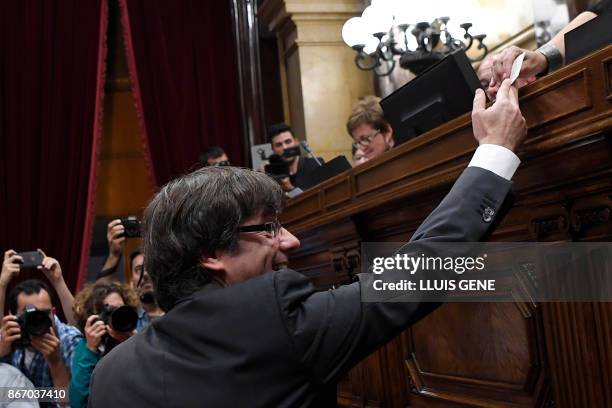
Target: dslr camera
<point>121,319</point>
<point>278,166</point>
<point>32,322</point>
<point>132,226</point>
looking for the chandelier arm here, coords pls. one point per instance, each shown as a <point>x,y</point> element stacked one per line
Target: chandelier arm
<point>386,73</point>
<point>481,46</point>
<point>468,36</point>
<point>361,56</point>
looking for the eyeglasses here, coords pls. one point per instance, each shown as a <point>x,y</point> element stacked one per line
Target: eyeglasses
<point>273,228</point>
<point>366,140</point>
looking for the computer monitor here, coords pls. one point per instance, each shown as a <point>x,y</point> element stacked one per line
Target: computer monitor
<point>441,93</point>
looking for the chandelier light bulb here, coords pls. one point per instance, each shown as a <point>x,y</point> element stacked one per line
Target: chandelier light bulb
<point>354,32</point>
<point>371,45</point>
<point>378,19</point>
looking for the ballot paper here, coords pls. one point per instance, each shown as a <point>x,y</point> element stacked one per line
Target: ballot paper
<point>516,68</point>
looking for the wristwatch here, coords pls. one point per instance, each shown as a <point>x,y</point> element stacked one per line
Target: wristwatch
<point>553,57</point>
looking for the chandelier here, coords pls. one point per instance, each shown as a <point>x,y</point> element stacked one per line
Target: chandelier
<point>390,28</point>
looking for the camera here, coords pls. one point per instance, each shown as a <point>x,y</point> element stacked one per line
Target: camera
<point>132,226</point>
<point>31,259</point>
<point>277,167</point>
<point>32,322</point>
<point>121,319</point>
<point>291,152</point>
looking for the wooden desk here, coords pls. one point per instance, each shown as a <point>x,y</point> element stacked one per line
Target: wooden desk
<point>495,354</point>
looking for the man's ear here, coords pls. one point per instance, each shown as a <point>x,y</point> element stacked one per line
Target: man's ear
<point>213,264</point>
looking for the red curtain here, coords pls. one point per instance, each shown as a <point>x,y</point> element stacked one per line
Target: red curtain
<point>183,72</point>
<point>51,83</point>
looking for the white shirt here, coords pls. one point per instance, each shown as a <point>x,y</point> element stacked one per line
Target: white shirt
<point>495,158</point>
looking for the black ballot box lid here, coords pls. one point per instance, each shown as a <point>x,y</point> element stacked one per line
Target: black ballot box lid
<point>589,37</point>
<point>328,170</point>
<point>441,93</point>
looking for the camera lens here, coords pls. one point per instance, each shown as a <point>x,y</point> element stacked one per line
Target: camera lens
<point>37,322</point>
<point>124,319</point>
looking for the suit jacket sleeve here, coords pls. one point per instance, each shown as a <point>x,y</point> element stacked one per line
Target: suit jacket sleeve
<point>334,330</point>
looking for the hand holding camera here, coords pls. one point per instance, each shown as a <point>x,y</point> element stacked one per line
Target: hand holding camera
<point>48,345</point>
<point>51,268</point>
<point>11,332</point>
<point>114,235</point>
<point>110,327</point>
<point>95,329</point>
<point>10,267</point>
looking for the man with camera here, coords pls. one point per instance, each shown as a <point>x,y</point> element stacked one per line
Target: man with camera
<point>33,339</point>
<point>118,230</point>
<point>287,149</point>
<point>141,281</point>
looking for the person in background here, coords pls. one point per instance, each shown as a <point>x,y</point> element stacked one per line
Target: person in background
<point>281,138</point>
<point>358,155</point>
<point>50,268</point>
<point>47,361</point>
<point>214,156</point>
<point>139,278</point>
<point>141,281</point>
<point>369,128</point>
<point>91,301</point>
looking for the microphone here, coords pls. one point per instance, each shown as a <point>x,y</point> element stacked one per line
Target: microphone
<point>306,147</point>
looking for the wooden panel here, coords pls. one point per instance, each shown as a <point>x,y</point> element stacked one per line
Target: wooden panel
<point>543,107</point>
<point>482,355</point>
<point>456,358</point>
<point>607,69</point>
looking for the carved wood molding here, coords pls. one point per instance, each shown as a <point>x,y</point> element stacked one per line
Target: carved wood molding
<point>480,392</point>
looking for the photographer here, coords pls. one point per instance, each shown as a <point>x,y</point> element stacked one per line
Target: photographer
<point>141,282</point>
<point>41,349</point>
<point>281,138</point>
<point>115,235</point>
<point>52,270</point>
<point>93,309</point>
<point>140,279</point>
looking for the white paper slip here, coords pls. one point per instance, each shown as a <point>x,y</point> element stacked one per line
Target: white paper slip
<point>516,68</point>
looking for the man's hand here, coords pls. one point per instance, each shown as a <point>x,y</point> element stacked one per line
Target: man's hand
<point>10,267</point>
<point>502,123</point>
<point>286,185</point>
<point>49,346</point>
<point>10,332</point>
<point>534,63</point>
<point>51,268</point>
<point>94,331</point>
<point>114,233</point>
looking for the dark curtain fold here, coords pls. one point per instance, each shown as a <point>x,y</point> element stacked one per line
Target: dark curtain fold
<point>183,72</point>
<point>51,82</point>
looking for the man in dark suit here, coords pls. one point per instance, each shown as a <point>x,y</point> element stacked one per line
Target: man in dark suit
<point>281,138</point>
<point>243,331</point>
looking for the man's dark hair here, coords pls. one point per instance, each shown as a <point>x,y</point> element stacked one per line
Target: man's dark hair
<point>28,287</point>
<point>211,152</point>
<point>195,215</point>
<point>277,129</point>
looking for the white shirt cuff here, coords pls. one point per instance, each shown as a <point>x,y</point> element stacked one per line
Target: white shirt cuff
<point>495,158</point>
